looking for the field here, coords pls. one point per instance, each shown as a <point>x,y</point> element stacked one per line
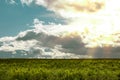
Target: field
<point>59,69</point>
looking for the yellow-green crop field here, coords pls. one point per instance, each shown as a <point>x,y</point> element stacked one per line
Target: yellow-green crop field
<point>59,69</point>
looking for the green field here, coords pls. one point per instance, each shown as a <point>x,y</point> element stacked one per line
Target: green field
<point>59,69</point>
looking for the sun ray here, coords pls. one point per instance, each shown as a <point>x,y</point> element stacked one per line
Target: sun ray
<point>97,28</point>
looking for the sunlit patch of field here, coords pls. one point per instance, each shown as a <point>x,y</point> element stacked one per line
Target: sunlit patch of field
<point>59,69</point>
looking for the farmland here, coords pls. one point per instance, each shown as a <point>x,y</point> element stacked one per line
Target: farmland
<point>59,69</point>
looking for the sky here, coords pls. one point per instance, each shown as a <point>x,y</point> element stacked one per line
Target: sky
<point>59,29</point>
<point>16,17</point>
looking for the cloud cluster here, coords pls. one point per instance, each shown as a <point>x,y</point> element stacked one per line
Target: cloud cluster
<point>88,17</point>
<point>68,8</point>
<point>73,8</point>
<point>44,41</point>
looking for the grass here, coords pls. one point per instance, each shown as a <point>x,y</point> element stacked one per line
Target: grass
<point>59,69</point>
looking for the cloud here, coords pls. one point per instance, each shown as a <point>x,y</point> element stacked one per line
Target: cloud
<point>52,41</point>
<point>11,1</point>
<point>44,41</point>
<point>79,8</point>
<point>27,2</point>
<point>69,8</point>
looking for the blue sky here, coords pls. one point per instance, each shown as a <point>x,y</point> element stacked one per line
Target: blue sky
<point>18,17</point>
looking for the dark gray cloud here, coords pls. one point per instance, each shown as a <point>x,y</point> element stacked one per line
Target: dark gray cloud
<point>68,44</point>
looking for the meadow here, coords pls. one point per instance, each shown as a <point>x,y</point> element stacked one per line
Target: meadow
<point>59,69</point>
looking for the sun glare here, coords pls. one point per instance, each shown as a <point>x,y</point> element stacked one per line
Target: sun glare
<point>98,28</point>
